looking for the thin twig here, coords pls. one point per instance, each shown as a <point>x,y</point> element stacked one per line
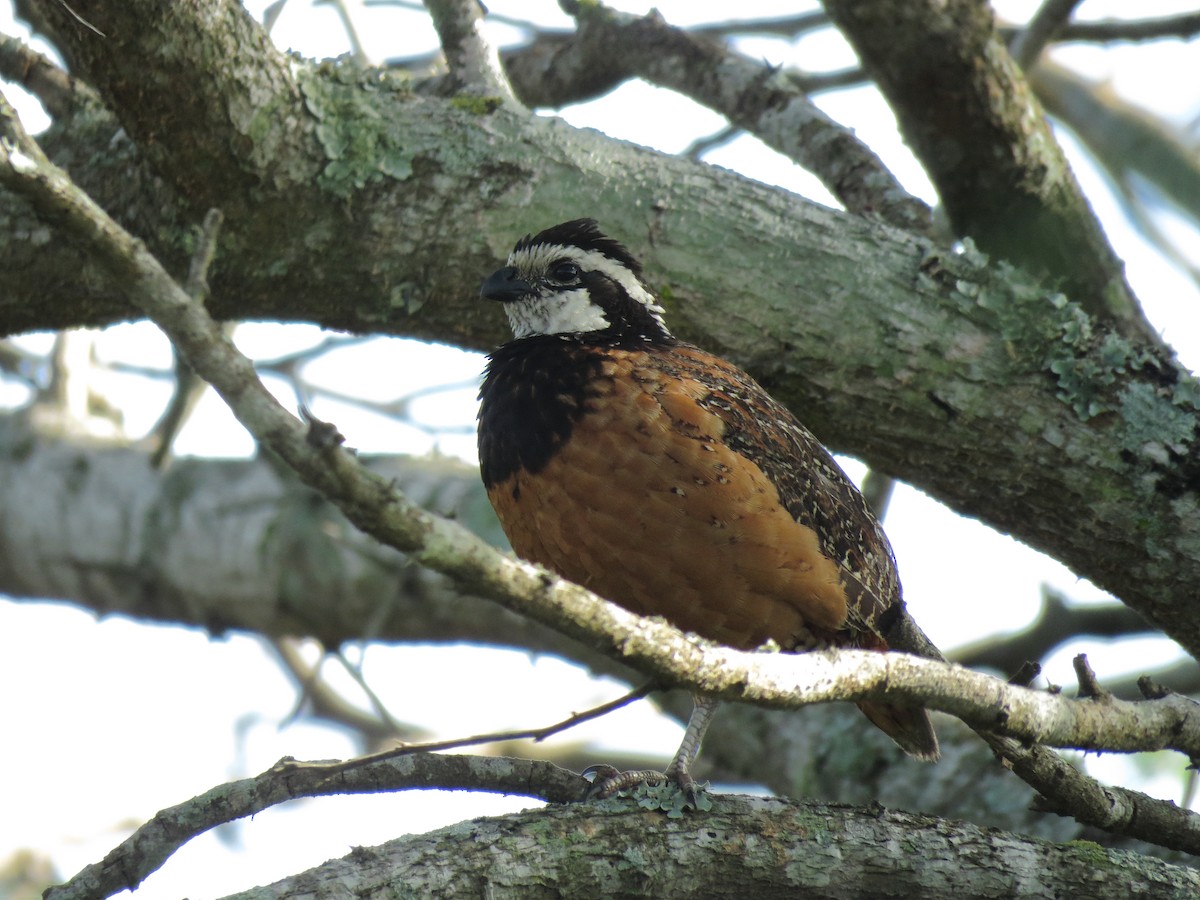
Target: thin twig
<point>203,256</point>
<point>189,387</point>
<point>701,145</point>
<point>534,734</point>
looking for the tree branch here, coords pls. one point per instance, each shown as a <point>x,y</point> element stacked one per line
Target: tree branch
<point>1184,25</point>
<point>611,47</point>
<point>474,65</point>
<point>766,847</point>
<point>654,648</point>
<point>1047,23</point>
<point>972,120</point>
<point>217,126</point>
<point>1056,623</point>
<point>143,852</point>
<point>39,75</point>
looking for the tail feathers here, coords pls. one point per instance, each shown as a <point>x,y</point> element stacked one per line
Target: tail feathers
<point>908,726</point>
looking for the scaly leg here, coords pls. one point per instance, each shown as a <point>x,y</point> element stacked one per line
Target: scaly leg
<point>609,781</point>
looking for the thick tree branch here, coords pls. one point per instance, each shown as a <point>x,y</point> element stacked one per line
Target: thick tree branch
<point>970,117</point>
<point>238,128</point>
<point>762,847</point>
<point>474,65</point>
<point>37,74</point>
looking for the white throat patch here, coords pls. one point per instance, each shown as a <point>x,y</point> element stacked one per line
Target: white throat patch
<point>566,312</point>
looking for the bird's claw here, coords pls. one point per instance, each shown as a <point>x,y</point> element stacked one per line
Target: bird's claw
<point>607,781</point>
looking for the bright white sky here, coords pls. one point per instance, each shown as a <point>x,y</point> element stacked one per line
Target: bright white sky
<point>120,719</point>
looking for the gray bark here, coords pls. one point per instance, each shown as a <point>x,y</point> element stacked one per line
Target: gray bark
<point>745,846</point>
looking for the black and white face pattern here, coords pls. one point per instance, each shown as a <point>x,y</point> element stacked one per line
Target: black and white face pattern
<point>570,280</point>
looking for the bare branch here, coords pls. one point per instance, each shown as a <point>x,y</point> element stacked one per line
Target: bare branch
<point>751,95</point>
<point>188,387</point>
<point>1123,137</point>
<point>38,74</point>
<point>1068,791</point>
<point>532,734</point>
<point>127,865</point>
<point>1045,25</point>
<point>1056,622</point>
<point>473,63</point>
<point>968,114</point>
<point>327,704</point>
<point>1184,25</point>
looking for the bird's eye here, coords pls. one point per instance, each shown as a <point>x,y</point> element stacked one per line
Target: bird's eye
<point>564,272</point>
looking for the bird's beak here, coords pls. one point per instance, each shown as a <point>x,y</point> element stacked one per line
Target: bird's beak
<point>505,285</point>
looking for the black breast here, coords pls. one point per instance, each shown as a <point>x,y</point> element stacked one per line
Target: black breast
<point>534,391</point>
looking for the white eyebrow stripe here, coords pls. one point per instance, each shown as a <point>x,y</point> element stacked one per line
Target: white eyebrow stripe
<point>537,259</point>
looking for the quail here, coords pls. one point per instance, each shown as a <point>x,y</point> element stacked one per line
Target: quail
<point>666,480</point>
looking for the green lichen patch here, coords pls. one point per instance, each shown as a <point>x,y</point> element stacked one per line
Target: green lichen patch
<point>361,145</point>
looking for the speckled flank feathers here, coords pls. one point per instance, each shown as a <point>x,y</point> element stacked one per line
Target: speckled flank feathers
<point>667,480</point>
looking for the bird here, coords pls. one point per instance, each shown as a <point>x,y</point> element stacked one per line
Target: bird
<point>668,481</point>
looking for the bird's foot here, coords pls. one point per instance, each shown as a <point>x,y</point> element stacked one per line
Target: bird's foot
<point>670,791</point>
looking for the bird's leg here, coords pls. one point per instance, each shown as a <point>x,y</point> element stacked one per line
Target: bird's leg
<point>679,770</point>
<point>610,781</point>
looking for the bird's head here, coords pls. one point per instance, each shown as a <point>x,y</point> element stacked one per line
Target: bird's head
<point>571,280</point>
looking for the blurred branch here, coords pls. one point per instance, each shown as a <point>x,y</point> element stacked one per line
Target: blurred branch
<point>327,704</point>
<point>701,145</point>
<point>39,75</point>
<point>1184,25</point>
<point>791,27</point>
<point>1056,622</point>
<point>1182,677</point>
<point>17,362</point>
<point>356,48</point>
<point>1047,23</point>
<point>1126,140</point>
<point>877,489</point>
<point>188,387</point>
